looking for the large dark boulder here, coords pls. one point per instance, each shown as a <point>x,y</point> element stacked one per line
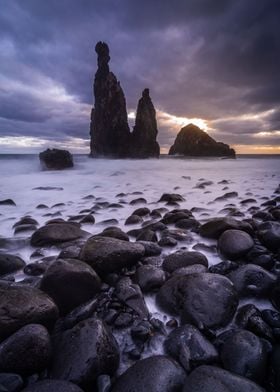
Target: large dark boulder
<point>22,305</point>
<point>211,378</point>
<point>233,244</point>
<point>245,354</point>
<point>55,233</point>
<point>107,255</point>
<point>192,141</point>
<point>70,283</point>
<point>216,226</point>
<point>27,351</point>
<point>83,352</point>
<point>144,144</point>
<point>155,374</point>
<point>10,263</point>
<point>52,386</point>
<point>54,159</point>
<point>109,130</point>
<point>183,258</point>
<point>190,348</point>
<point>269,234</point>
<point>204,300</point>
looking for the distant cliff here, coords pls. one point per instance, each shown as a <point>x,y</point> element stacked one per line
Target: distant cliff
<point>109,130</point>
<point>192,141</point>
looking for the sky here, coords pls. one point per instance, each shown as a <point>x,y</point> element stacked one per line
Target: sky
<point>215,63</point>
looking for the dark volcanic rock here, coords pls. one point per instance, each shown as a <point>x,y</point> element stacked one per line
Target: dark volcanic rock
<point>7,202</point>
<point>269,233</point>
<point>107,255</point>
<point>144,144</point>
<point>252,280</point>
<point>22,305</point>
<point>216,226</point>
<point>205,300</point>
<point>245,354</point>
<point>153,374</point>
<point>52,386</point>
<point>55,233</point>
<point>54,159</point>
<point>10,263</point>
<point>27,351</point>
<point>131,294</point>
<point>150,277</point>
<point>189,347</point>
<point>234,244</point>
<point>84,352</point>
<point>10,382</point>
<point>110,134</point>
<point>211,378</point>
<point>70,283</point>
<point>192,141</point>
<point>183,258</point>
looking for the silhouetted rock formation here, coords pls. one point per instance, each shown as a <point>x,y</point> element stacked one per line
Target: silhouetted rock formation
<point>192,141</point>
<point>144,144</point>
<point>56,159</point>
<point>110,134</point>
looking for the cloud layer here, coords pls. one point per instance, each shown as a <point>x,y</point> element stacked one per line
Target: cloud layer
<point>216,60</point>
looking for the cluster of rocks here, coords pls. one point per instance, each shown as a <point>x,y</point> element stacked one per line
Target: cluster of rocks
<point>80,321</point>
<point>193,141</point>
<point>109,129</point>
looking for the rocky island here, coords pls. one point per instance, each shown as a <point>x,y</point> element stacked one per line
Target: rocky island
<point>193,141</point>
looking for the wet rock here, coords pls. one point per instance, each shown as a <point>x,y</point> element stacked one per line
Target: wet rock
<point>26,220</point>
<point>173,217</point>
<point>123,320</point>
<point>142,211</point>
<point>190,348</point>
<point>7,202</point>
<point>275,366</point>
<point>234,244</point>
<point>211,378</point>
<point>52,386</point>
<point>157,374</point>
<point>56,233</point>
<point>133,220</point>
<point>171,197</point>
<point>110,134</point>
<point>252,280</point>
<point>89,219</point>
<point>22,305</point>
<point>272,317</point>
<point>84,352</point>
<point>245,354</point>
<point>107,255</point>
<point>10,263</point>
<point>27,351</point>
<point>144,144</point>
<point>275,296</point>
<point>139,200</point>
<point>224,267</point>
<point>149,277</point>
<point>35,269</point>
<point>151,248</point>
<point>131,295</point>
<point>183,258</point>
<point>114,232</point>
<point>167,241</point>
<point>260,256</point>
<point>10,382</point>
<point>192,269</point>
<point>70,283</point>
<point>25,229</point>
<point>215,227</point>
<point>205,300</point>
<point>226,196</point>
<point>54,159</point>
<point>147,235</point>
<point>190,224</point>
<point>269,234</point>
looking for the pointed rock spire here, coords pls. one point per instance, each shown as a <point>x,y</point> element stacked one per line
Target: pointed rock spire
<point>144,144</point>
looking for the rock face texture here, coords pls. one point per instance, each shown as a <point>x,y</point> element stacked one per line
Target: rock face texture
<point>110,135</point>
<point>109,129</point>
<point>144,144</point>
<point>192,141</point>
<point>54,159</point>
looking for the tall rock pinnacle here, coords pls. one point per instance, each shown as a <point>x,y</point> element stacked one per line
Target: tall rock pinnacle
<point>109,130</point>
<point>144,135</point>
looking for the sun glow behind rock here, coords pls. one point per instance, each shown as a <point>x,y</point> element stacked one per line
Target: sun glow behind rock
<point>176,122</point>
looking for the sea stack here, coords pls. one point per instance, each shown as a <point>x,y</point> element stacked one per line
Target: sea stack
<point>193,141</point>
<point>110,134</point>
<point>144,135</point>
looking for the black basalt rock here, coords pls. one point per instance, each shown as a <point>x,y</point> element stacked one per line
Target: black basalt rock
<point>144,144</point>
<point>55,159</point>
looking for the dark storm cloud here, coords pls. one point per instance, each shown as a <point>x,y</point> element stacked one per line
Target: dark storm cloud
<point>216,60</point>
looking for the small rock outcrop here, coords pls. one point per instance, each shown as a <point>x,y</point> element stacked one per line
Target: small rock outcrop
<point>193,141</point>
<point>110,134</point>
<point>144,144</point>
<point>54,159</point>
